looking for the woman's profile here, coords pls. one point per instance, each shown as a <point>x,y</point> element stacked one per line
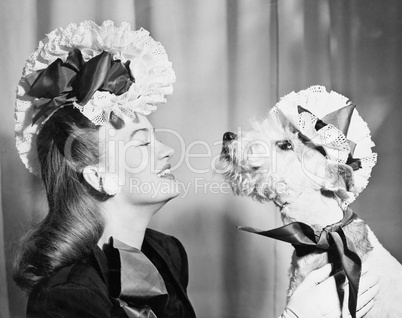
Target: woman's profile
<point>82,127</point>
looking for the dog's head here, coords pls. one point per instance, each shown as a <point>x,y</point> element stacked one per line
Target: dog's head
<point>293,151</point>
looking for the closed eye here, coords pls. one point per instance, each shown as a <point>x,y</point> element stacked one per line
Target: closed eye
<point>284,145</point>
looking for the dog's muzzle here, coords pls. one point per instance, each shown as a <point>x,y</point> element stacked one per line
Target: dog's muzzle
<point>227,139</point>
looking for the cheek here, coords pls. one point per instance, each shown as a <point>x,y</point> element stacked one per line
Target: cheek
<point>119,156</point>
<point>128,162</point>
<point>284,163</point>
<point>313,165</point>
<point>260,156</point>
<point>290,169</point>
<point>133,160</point>
<point>136,155</point>
<point>303,169</point>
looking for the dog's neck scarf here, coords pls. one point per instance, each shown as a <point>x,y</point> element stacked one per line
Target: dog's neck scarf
<point>340,248</point>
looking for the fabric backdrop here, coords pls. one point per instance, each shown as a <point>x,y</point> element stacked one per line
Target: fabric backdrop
<point>233,60</point>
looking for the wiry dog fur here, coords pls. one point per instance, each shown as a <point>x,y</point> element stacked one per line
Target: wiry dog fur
<point>273,162</point>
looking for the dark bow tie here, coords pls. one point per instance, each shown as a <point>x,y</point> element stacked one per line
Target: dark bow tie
<point>331,239</point>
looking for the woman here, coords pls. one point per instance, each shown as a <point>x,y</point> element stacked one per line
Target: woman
<point>82,126</point>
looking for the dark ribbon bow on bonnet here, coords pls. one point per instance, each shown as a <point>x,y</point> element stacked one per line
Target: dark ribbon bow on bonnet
<point>340,119</point>
<point>77,80</point>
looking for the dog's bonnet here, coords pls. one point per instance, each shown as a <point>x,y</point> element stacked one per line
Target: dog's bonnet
<point>331,121</point>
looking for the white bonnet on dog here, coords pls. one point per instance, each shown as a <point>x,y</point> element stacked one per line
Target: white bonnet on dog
<point>331,121</point>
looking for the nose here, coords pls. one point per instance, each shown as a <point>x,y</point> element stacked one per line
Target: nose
<point>164,150</point>
<point>228,136</point>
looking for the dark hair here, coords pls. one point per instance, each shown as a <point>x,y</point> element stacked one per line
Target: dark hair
<point>67,143</point>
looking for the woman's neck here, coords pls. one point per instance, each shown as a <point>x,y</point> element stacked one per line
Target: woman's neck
<point>125,222</point>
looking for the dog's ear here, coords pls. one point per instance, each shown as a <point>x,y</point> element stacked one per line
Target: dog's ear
<point>338,177</point>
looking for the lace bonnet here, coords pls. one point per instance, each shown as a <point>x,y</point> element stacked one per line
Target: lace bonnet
<point>135,76</point>
<point>331,121</point>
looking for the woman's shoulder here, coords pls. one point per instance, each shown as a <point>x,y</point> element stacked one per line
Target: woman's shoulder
<point>79,286</point>
<point>80,274</point>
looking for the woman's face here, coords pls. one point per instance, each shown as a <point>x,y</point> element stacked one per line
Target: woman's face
<point>140,162</point>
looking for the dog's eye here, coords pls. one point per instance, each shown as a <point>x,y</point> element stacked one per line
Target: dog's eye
<point>284,145</point>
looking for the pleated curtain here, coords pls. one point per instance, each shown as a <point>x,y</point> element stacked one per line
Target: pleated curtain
<point>233,60</point>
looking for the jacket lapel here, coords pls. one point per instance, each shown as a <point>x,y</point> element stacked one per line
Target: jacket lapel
<point>168,262</point>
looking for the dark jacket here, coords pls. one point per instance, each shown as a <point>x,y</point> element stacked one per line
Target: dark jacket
<point>83,289</point>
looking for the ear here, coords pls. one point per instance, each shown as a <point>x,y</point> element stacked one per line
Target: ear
<point>338,177</point>
<point>92,177</point>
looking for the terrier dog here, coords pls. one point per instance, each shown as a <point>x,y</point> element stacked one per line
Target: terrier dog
<point>312,156</point>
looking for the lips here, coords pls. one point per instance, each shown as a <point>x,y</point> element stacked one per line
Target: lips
<point>165,172</point>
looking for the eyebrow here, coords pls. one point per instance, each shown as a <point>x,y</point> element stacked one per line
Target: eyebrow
<point>137,131</point>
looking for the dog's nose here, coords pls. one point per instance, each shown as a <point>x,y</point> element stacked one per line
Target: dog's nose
<point>228,136</point>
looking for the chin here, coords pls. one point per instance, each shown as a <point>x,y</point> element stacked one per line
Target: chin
<point>155,192</point>
<point>165,197</point>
